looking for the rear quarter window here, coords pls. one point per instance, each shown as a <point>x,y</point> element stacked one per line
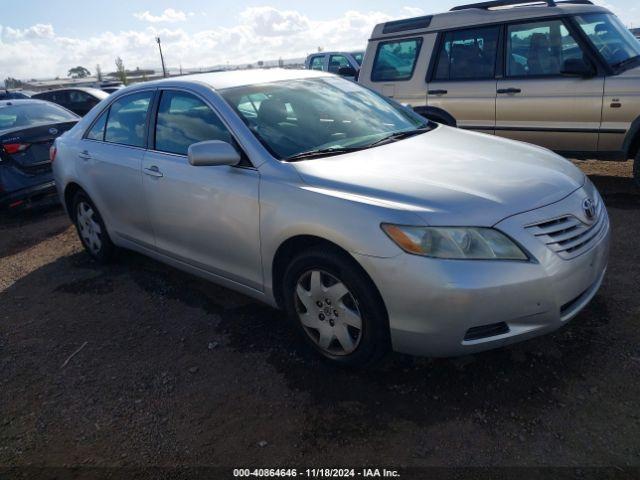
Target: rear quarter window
<point>395,60</point>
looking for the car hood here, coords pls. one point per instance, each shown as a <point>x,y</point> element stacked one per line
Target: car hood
<point>448,177</point>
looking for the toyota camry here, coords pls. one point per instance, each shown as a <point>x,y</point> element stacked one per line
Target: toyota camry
<point>370,226</point>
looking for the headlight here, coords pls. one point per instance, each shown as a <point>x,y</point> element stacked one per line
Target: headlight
<point>455,242</point>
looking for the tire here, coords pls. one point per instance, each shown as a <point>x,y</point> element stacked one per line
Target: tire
<point>319,311</point>
<point>91,229</point>
<point>636,169</point>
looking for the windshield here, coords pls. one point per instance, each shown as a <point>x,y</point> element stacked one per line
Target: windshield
<point>358,57</point>
<point>297,116</point>
<point>33,114</point>
<point>612,39</point>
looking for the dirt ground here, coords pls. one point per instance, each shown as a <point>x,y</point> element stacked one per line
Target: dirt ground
<point>178,371</point>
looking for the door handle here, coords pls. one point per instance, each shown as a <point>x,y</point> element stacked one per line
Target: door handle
<point>153,171</point>
<point>508,90</point>
<point>84,155</point>
<point>437,92</point>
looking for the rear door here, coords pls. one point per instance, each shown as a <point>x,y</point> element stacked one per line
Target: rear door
<point>110,161</point>
<point>206,216</point>
<point>535,102</point>
<point>463,77</point>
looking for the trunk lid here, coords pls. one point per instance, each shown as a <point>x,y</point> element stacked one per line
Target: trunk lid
<point>33,155</point>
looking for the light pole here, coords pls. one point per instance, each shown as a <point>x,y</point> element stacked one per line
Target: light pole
<point>164,70</point>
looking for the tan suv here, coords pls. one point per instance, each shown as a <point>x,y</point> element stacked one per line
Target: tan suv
<point>564,75</point>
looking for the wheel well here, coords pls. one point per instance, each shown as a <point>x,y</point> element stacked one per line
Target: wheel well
<point>437,115</point>
<point>69,193</point>
<point>296,245</point>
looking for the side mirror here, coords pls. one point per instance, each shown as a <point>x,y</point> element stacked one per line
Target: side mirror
<point>577,67</point>
<point>348,72</point>
<point>213,153</point>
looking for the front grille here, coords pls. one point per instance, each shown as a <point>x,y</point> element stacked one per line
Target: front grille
<point>569,236</point>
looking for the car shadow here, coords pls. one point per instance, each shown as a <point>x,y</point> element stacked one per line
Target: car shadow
<point>618,192</point>
<point>122,308</point>
<point>21,230</point>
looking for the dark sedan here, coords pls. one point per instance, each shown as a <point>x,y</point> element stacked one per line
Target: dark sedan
<point>78,100</point>
<point>27,131</point>
<point>14,94</point>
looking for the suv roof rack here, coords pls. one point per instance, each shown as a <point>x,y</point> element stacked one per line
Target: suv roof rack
<point>508,3</point>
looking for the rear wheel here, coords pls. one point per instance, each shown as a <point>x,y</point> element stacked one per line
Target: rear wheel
<point>91,229</point>
<point>336,308</point>
<point>636,169</point>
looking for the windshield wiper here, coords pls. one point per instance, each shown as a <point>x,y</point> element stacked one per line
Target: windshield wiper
<point>399,136</point>
<point>624,63</point>
<point>322,152</point>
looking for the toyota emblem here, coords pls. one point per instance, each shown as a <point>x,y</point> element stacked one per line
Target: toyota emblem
<point>589,207</point>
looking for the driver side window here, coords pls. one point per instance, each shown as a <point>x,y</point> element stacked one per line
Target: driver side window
<point>183,120</point>
<point>540,49</point>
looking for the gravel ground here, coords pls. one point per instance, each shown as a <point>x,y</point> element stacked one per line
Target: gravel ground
<point>177,371</point>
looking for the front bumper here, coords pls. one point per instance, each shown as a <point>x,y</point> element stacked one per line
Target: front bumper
<point>433,303</point>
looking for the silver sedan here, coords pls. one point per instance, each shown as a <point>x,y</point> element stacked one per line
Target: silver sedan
<point>373,228</point>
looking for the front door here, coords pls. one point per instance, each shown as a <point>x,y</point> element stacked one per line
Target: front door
<point>535,102</point>
<point>206,216</point>
<point>463,82</point>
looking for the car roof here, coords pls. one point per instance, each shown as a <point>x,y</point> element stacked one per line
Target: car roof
<point>89,90</point>
<point>337,52</point>
<point>237,78</point>
<point>22,101</point>
<point>472,16</point>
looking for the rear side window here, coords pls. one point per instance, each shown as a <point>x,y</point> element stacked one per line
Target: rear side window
<point>316,63</point>
<point>183,120</point>
<point>396,60</point>
<point>96,132</point>
<point>127,120</point>
<point>468,54</point>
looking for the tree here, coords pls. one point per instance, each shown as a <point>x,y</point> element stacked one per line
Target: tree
<point>11,82</point>
<point>99,73</point>
<point>121,71</point>
<point>79,72</point>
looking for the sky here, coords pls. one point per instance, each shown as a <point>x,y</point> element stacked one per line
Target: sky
<point>41,41</point>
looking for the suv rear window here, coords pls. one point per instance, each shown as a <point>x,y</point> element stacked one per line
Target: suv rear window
<point>396,60</point>
<point>468,54</point>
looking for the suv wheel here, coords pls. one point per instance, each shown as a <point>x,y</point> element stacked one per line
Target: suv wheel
<point>636,169</point>
<point>335,308</point>
<point>91,229</point>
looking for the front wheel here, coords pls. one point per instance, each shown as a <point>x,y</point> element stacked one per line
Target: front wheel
<point>336,308</point>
